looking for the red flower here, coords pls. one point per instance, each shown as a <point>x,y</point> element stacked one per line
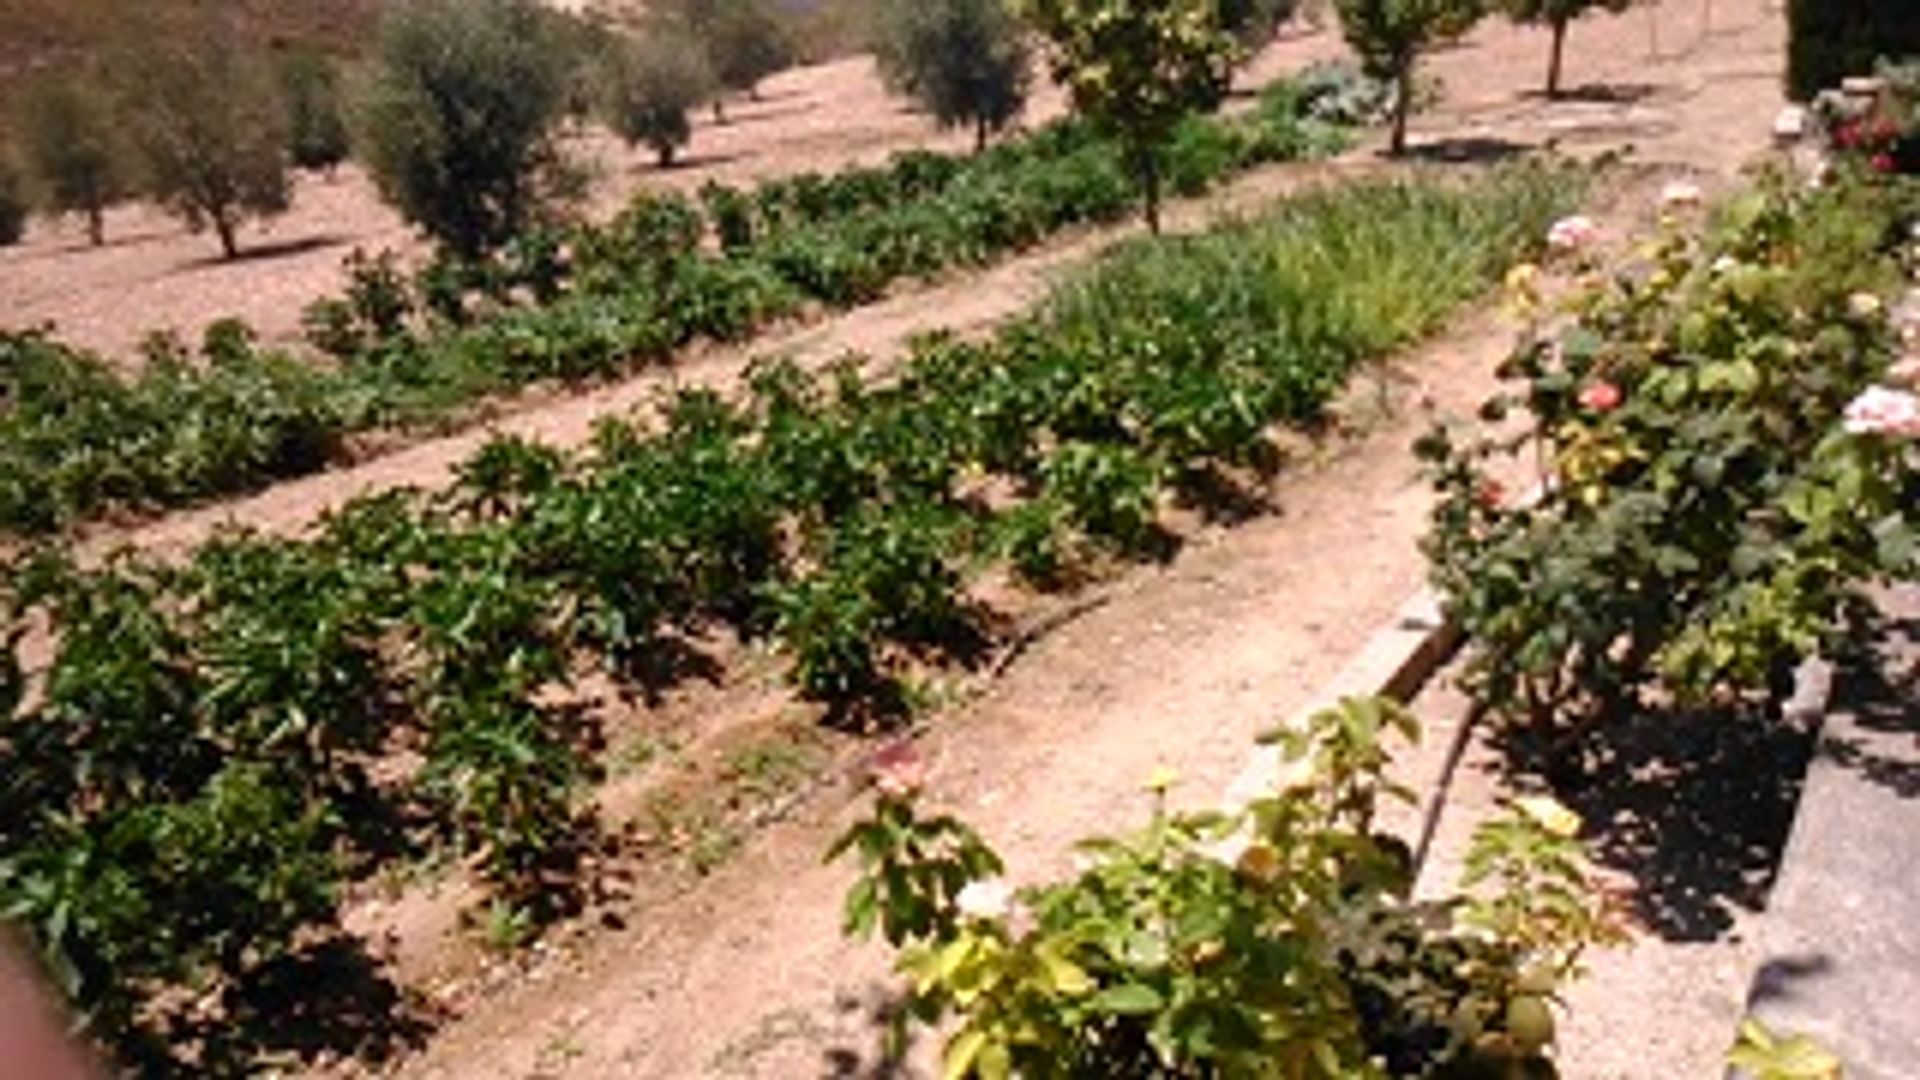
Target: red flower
<point>1491,494</point>
<point>1882,163</point>
<point>1846,135</point>
<point>1601,396</point>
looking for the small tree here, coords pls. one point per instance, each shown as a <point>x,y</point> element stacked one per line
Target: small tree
<point>744,42</point>
<point>1557,15</point>
<point>456,123</point>
<point>1136,69</point>
<point>72,148</point>
<point>316,128</point>
<point>1390,35</point>
<point>965,61</point>
<point>205,115</point>
<point>648,86</point>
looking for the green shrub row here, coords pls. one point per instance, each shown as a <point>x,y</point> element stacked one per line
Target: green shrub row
<point>1718,488</point>
<point>78,440</point>
<point>219,747</point>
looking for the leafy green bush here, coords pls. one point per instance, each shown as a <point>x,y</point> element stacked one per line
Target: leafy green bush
<point>1337,92</point>
<point>1715,489</point>
<point>1279,932</point>
<point>1828,42</point>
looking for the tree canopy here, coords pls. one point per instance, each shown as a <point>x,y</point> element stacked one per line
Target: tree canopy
<point>456,124</point>
<point>967,62</point>
<point>1137,68</point>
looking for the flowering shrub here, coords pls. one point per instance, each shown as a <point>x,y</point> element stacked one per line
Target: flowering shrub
<point>1719,467</point>
<point>1276,939</point>
<point>1882,131</point>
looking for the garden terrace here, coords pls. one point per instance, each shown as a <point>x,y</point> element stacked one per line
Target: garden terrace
<point>267,680</point>
<point>78,440</point>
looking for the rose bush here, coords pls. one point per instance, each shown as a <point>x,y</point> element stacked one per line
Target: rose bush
<point>1720,467</point>
<point>1279,939</point>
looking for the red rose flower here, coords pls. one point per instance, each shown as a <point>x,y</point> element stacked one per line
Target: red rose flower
<point>1882,163</point>
<point>1601,396</point>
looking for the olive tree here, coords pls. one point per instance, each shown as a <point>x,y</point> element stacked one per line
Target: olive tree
<point>967,62</point>
<point>743,41</point>
<point>316,126</point>
<point>456,120</point>
<point>1136,69</point>
<point>648,86</point>
<point>1391,35</point>
<point>203,111</point>
<point>71,143</point>
<point>1557,15</point>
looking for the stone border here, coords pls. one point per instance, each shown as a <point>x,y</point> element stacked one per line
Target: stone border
<point>1396,662</point>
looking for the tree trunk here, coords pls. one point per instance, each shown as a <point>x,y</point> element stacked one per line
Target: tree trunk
<point>1555,61</point>
<point>229,243</point>
<point>719,111</point>
<point>1402,107</point>
<point>665,151</point>
<point>96,226</point>
<point>979,135</point>
<point>1150,186</point>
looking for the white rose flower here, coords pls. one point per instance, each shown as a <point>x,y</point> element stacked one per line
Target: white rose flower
<point>988,900</point>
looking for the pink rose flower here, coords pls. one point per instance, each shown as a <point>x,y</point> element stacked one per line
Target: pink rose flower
<point>1601,396</point>
<point>1572,234</point>
<point>899,771</point>
<point>1883,411</point>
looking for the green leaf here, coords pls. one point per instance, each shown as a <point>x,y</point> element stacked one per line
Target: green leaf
<point>1133,999</point>
<point>962,1052</point>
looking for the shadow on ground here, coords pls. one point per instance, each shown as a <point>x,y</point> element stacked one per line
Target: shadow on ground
<point>1880,691</point>
<point>1468,150</point>
<point>328,1002</point>
<point>1695,807</point>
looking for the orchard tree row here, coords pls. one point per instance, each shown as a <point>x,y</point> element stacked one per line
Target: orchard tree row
<point>458,111</point>
<point>457,105</point>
